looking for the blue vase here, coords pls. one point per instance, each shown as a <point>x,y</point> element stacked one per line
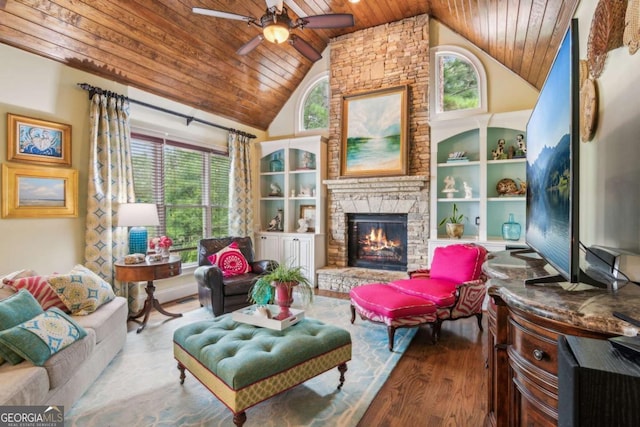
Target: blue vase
<point>511,229</point>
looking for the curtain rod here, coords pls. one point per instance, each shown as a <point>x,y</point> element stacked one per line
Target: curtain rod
<point>93,89</point>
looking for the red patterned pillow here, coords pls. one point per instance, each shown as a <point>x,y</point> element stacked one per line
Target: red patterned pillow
<point>230,260</point>
<point>39,287</point>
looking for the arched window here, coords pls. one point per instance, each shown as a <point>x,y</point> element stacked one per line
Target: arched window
<point>313,110</point>
<point>458,83</point>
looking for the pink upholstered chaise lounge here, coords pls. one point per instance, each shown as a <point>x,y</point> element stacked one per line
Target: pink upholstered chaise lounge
<point>453,288</point>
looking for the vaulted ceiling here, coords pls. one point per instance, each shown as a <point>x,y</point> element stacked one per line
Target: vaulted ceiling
<point>162,47</point>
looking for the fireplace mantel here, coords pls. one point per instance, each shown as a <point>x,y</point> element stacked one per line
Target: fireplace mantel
<point>393,184</point>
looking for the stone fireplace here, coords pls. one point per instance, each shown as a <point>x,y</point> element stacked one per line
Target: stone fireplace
<point>381,57</point>
<point>406,195</point>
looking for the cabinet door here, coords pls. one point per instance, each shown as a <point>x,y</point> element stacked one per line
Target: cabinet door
<point>298,251</point>
<point>268,247</point>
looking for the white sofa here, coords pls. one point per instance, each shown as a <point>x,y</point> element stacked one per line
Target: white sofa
<point>70,372</point>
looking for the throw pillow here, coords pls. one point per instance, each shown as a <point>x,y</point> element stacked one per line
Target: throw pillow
<point>39,287</point>
<point>19,307</point>
<point>459,263</point>
<point>81,290</point>
<point>11,277</point>
<point>41,337</point>
<point>230,260</point>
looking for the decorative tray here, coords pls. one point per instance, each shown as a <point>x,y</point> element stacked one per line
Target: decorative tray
<point>251,316</point>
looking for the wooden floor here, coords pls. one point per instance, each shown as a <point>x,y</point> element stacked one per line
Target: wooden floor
<point>433,385</point>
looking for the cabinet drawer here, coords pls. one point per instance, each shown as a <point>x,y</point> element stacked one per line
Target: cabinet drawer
<point>539,351</point>
<point>167,270</point>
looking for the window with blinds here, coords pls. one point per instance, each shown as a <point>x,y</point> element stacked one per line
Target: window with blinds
<point>190,186</point>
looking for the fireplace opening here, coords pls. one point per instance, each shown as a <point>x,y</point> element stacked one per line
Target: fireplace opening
<point>377,241</point>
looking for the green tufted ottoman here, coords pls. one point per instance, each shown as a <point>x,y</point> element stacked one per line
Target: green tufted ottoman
<point>242,365</point>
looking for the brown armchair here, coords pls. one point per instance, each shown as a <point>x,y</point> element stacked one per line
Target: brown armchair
<point>226,294</point>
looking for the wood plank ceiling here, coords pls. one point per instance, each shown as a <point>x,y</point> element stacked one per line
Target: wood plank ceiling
<point>160,46</point>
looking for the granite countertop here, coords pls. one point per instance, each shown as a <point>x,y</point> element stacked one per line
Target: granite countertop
<point>584,306</point>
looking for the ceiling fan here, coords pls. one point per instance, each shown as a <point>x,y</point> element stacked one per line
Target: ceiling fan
<point>277,26</point>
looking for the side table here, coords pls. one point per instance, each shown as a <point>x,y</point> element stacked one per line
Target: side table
<point>149,271</point>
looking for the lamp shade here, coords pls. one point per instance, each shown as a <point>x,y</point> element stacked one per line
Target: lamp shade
<point>138,216</point>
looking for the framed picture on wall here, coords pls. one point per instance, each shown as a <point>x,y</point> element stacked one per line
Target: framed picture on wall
<point>38,141</point>
<point>308,213</point>
<point>39,192</point>
<point>374,133</point>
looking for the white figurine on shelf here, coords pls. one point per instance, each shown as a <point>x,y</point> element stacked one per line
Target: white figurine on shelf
<point>303,226</point>
<point>275,189</point>
<point>468,191</point>
<point>449,186</point>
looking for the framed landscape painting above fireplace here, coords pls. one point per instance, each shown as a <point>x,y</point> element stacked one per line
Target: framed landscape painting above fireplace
<point>374,133</point>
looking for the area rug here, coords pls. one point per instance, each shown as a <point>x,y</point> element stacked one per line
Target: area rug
<point>141,385</point>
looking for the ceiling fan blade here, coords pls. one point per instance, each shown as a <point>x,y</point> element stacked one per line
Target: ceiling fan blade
<point>250,45</point>
<point>225,15</point>
<point>275,3</point>
<point>332,20</point>
<point>304,48</point>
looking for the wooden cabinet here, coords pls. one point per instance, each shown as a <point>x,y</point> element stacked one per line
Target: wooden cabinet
<point>471,182</point>
<point>523,366</point>
<point>524,325</point>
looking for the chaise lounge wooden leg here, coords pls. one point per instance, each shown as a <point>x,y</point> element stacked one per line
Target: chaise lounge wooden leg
<point>239,419</point>
<point>479,317</point>
<point>435,331</point>
<point>391,331</point>
<point>182,375</point>
<point>342,368</point>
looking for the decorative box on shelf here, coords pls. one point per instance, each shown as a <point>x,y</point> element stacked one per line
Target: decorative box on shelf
<point>252,316</point>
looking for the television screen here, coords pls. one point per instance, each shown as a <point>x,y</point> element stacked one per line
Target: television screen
<point>552,162</point>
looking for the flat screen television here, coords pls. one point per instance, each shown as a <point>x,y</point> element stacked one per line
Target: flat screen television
<point>553,138</point>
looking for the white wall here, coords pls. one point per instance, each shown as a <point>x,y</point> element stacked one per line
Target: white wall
<point>610,163</point>
<point>37,87</point>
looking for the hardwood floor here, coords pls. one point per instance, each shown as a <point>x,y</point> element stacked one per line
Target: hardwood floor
<point>432,385</point>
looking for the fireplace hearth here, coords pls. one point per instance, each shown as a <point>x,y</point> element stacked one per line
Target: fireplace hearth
<point>377,241</point>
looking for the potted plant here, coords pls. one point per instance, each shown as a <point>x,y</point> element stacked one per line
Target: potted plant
<point>454,225</point>
<point>277,286</point>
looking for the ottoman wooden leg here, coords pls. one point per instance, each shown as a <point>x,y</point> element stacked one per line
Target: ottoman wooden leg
<point>182,375</point>
<point>342,368</point>
<point>353,314</point>
<point>240,418</point>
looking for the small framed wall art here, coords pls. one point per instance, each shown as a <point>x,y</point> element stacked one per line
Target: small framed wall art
<point>39,192</point>
<point>308,213</point>
<point>38,141</point>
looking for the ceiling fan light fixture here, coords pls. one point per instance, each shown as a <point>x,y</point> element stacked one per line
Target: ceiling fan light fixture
<point>276,32</point>
<point>354,1</point>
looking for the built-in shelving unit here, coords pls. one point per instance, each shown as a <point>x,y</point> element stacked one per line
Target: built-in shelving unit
<point>290,186</point>
<point>474,178</point>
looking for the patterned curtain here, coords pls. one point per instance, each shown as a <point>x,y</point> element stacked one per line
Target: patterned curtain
<point>240,203</point>
<point>110,183</point>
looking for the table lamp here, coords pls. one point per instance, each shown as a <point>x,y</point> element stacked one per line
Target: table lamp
<point>138,216</point>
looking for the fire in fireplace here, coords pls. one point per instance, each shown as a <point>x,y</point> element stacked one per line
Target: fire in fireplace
<point>377,241</point>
